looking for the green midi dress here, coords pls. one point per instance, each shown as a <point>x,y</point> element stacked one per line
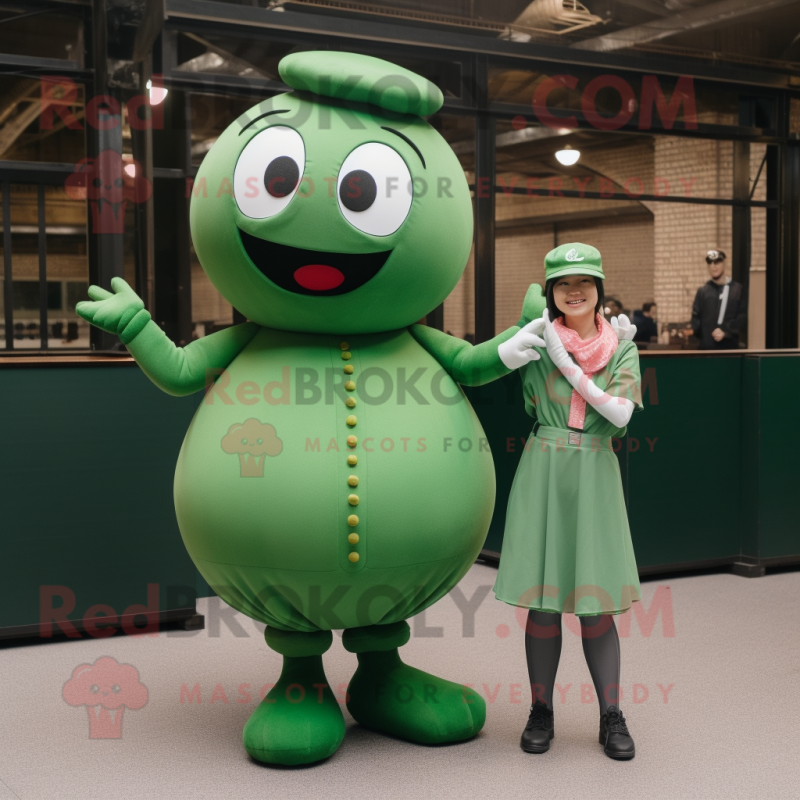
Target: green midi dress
<point>567,545</point>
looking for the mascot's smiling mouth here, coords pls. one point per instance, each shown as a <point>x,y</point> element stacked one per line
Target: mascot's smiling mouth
<point>312,271</point>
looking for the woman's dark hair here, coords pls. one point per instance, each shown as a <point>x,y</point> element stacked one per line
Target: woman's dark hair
<point>552,308</point>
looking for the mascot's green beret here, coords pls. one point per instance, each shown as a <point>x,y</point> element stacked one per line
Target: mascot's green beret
<point>361,79</point>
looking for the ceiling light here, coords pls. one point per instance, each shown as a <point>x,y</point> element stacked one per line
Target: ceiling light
<point>568,156</point>
<point>157,93</point>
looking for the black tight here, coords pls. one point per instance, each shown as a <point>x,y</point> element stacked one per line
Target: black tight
<point>600,648</point>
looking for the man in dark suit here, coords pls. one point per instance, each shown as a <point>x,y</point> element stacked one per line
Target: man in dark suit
<point>719,312</point>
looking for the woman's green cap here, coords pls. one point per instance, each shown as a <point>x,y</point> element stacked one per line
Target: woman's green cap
<point>573,259</point>
<point>361,79</point>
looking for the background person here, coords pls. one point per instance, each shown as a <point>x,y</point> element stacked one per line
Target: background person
<point>645,322</point>
<point>719,311</point>
<point>613,307</point>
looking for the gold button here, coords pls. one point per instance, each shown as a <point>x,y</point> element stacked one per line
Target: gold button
<point>352,499</point>
<point>353,557</point>
<point>353,538</point>
<point>352,460</point>
<point>344,346</point>
<point>352,441</point>
<point>352,520</point>
<point>350,385</point>
<point>348,368</point>
<point>351,420</point>
<point>352,480</point>
<point>347,355</point>
<point>350,402</point>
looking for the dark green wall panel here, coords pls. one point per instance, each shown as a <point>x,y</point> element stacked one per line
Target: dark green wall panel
<point>86,476</point>
<point>779,465</point>
<point>683,484</point>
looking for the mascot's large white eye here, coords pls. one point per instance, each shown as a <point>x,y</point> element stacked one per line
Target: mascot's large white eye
<point>268,172</point>
<point>374,189</point>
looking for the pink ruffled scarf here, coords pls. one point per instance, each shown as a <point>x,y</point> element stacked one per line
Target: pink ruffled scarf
<point>591,354</point>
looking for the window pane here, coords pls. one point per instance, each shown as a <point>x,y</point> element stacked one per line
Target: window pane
<point>683,235</point>
<point>67,268</point>
<point>25,266</point>
<point>34,130</point>
<point>653,251</point>
<point>618,167</point>
<point>42,36</point>
<point>651,254</point>
<point>794,116</point>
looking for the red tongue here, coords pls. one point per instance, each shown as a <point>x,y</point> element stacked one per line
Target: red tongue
<point>318,277</point>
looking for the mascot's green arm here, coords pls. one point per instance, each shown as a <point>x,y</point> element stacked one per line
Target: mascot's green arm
<point>176,370</point>
<point>470,365</point>
<point>183,370</point>
<point>476,365</point>
<point>533,305</point>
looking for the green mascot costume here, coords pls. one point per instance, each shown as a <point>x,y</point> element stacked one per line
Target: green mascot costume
<point>334,476</point>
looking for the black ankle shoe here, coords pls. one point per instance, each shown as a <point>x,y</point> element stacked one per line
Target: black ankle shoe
<point>614,736</point>
<point>539,730</point>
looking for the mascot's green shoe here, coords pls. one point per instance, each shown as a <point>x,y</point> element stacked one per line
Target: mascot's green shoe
<point>300,720</point>
<point>391,697</point>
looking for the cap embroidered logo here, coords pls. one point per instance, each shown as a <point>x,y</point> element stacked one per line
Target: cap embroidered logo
<point>572,255</point>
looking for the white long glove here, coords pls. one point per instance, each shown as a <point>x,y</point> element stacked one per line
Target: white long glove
<point>623,327</point>
<point>616,410</point>
<point>518,351</point>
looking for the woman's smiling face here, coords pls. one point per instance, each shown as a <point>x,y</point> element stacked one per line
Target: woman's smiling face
<point>575,295</point>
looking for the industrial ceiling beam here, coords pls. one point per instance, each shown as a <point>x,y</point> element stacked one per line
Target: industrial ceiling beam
<point>692,19</point>
<point>205,16</point>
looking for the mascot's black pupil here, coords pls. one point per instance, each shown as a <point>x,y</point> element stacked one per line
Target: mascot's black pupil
<point>357,190</point>
<point>281,176</point>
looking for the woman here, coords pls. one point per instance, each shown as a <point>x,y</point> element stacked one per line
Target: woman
<point>567,545</point>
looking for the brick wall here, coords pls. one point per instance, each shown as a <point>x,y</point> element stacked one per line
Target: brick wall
<point>683,233</point>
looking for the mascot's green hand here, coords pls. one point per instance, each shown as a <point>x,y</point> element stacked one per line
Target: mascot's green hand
<point>533,305</point>
<point>122,312</point>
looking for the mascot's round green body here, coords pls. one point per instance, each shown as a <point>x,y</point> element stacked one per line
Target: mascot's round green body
<point>424,480</point>
<point>334,476</point>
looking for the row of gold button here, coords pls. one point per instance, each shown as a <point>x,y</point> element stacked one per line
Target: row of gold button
<point>352,441</point>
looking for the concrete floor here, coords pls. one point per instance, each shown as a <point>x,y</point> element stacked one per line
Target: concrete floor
<point>717,712</point>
